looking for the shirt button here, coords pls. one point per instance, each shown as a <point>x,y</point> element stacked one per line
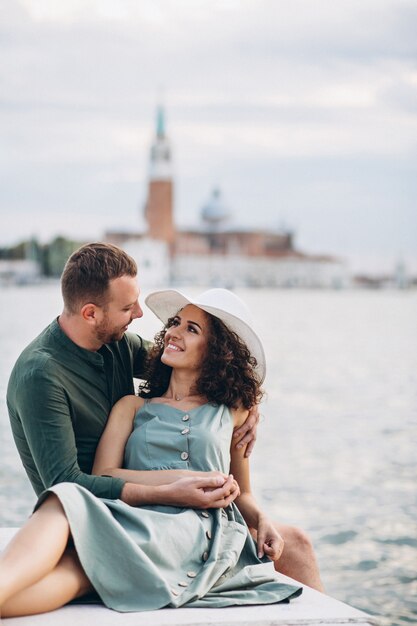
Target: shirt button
<point>184,456</point>
<point>205,556</point>
<point>208,534</point>
<point>185,431</point>
<point>185,418</point>
<point>174,592</point>
<point>191,574</point>
<point>205,514</point>
<point>182,584</point>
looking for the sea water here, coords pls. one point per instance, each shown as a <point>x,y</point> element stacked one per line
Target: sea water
<point>337,443</point>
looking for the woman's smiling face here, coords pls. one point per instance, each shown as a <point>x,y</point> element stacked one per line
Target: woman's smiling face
<point>186,339</point>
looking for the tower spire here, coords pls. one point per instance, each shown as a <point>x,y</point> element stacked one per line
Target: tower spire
<point>160,122</point>
<point>159,205</point>
<point>160,156</point>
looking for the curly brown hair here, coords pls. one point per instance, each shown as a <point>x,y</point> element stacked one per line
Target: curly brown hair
<point>227,375</point>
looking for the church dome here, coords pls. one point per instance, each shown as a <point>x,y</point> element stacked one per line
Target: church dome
<point>214,211</point>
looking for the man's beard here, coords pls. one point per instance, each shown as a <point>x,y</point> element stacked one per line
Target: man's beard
<point>106,334</point>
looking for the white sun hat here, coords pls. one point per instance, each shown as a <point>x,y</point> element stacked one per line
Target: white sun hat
<point>221,303</point>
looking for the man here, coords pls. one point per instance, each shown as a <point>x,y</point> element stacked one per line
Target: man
<point>66,381</point>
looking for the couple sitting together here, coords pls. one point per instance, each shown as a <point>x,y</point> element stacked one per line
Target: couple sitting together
<point>144,500</point>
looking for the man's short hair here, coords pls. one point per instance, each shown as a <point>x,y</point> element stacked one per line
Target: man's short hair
<point>88,272</point>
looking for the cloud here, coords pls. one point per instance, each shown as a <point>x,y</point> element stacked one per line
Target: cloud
<point>298,109</point>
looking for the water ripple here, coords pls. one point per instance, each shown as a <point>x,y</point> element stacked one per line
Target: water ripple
<point>336,448</point>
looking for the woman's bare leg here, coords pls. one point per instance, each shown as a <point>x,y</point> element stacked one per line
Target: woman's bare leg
<point>35,550</point>
<point>298,559</point>
<point>66,582</point>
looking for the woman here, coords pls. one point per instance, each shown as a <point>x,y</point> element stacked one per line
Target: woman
<point>205,373</point>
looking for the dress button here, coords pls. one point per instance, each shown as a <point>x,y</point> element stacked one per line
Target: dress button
<point>184,456</point>
<point>205,514</point>
<point>174,592</point>
<point>185,431</point>
<point>191,574</point>
<point>205,556</point>
<point>182,584</point>
<point>208,534</point>
<point>185,418</point>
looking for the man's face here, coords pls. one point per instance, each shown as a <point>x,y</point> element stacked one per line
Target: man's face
<point>121,308</point>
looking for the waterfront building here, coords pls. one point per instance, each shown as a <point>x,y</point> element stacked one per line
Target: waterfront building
<point>219,251</point>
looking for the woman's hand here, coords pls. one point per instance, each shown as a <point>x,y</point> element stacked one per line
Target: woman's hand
<point>270,543</point>
<point>223,480</point>
<point>206,492</point>
<point>213,490</point>
<point>245,435</point>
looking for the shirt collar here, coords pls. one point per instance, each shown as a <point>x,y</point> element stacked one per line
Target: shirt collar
<point>92,357</point>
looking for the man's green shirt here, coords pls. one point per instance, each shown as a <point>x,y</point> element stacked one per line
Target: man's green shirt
<point>59,398</point>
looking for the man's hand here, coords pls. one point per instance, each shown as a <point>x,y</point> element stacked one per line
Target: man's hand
<point>245,435</point>
<point>270,543</point>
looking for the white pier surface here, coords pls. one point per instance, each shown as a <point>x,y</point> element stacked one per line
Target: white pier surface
<point>311,608</point>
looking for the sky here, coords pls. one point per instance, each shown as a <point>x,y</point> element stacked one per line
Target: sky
<point>303,112</point>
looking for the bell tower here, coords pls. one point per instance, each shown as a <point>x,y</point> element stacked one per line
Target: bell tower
<point>159,205</point>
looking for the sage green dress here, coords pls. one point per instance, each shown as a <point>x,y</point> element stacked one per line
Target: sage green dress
<point>149,557</point>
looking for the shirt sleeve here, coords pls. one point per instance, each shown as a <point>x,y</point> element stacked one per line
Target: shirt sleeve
<point>44,412</point>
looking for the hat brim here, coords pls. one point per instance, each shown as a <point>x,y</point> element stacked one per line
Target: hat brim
<point>166,304</point>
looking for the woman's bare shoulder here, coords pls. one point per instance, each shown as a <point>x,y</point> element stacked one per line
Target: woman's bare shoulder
<point>239,415</point>
<point>129,403</point>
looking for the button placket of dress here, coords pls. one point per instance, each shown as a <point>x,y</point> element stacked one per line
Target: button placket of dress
<point>209,536</point>
<point>183,584</point>
<point>185,431</point>
<point>206,520</point>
